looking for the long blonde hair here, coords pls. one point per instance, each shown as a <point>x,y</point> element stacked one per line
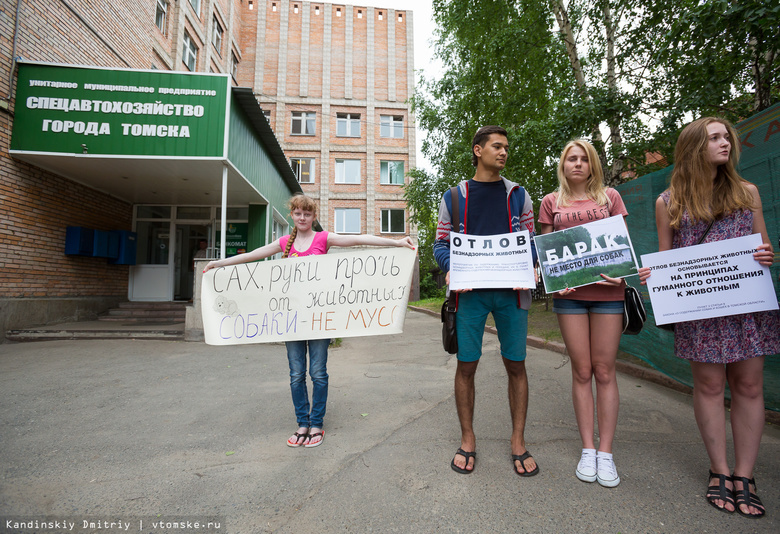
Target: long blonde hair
<point>595,187</point>
<point>299,201</point>
<point>692,189</point>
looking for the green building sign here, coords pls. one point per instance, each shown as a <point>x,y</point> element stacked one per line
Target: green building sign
<point>109,112</point>
<point>236,240</point>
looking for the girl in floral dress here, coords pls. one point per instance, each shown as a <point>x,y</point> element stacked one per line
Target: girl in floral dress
<point>706,188</point>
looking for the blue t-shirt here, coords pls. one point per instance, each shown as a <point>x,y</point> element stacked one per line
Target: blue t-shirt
<point>487,208</point>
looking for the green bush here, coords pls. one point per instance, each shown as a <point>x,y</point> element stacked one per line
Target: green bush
<point>429,289</point>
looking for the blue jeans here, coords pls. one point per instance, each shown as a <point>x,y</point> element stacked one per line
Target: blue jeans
<point>318,360</point>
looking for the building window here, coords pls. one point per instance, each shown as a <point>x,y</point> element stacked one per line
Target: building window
<point>400,17</point>
<point>273,7</point>
<point>360,13</point>
<point>267,115</point>
<point>348,124</point>
<point>279,229</point>
<point>393,221</point>
<point>380,16</point>
<point>159,17</point>
<point>347,171</point>
<point>251,5</point>
<point>303,122</point>
<point>190,56</point>
<point>391,126</point>
<point>196,6</point>
<point>391,172</point>
<point>347,220</point>
<point>219,32</point>
<point>233,66</point>
<point>295,9</point>
<point>303,169</point>
<point>338,11</point>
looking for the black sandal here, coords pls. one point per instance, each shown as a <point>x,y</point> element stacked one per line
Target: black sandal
<point>720,493</point>
<point>747,497</point>
<point>467,455</point>
<point>522,458</point>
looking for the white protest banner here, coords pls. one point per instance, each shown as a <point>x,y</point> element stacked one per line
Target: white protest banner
<point>362,292</point>
<point>709,280</point>
<point>491,261</point>
<point>578,256</point>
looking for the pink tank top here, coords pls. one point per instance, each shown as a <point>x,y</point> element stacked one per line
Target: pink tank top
<point>319,245</point>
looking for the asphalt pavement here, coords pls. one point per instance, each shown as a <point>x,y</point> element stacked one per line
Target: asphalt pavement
<point>107,433</point>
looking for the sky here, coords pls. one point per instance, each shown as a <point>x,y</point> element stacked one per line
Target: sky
<point>424,26</point>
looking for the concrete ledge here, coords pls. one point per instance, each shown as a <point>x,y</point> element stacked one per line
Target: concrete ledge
<point>32,312</point>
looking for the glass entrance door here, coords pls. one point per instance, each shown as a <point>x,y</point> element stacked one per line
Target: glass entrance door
<point>150,276</point>
<point>191,243</point>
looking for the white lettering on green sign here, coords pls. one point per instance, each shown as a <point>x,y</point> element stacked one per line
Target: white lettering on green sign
<point>155,130</point>
<point>79,127</point>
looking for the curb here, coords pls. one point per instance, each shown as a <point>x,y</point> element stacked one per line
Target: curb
<point>627,368</point>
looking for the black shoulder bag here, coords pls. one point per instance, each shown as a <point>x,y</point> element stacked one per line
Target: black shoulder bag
<point>449,335</point>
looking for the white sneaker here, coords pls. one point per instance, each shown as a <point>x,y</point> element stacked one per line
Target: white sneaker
<point>586,469</point>
<point>607,472</point>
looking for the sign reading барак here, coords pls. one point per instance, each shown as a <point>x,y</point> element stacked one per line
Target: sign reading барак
<point>578,256</point>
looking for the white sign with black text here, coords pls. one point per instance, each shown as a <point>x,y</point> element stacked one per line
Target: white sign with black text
<point>709,280</point>
<point>491,261</point>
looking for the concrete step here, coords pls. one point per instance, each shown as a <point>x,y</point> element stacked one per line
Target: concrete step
<point>146,312</point>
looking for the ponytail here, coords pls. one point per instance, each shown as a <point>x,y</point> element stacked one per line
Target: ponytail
<point>290,242</point>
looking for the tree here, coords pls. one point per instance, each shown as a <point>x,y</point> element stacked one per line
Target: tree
<point>552,71</point>
<point>717,57</point>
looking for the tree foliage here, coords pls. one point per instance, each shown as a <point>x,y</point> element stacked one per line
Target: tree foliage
<point>549,71</point>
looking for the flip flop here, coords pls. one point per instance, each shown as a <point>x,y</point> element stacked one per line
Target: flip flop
<point>467,455</point>
<point>309,441</point>
<point>295,439</point>
<point>522,458</point>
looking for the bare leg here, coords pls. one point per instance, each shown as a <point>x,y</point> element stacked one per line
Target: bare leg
<point>746,380</point>
<point>605,330</point>
<point>575,329</point>
<point>709,385</point>
<point>464,402</point>
<point>518,408</point>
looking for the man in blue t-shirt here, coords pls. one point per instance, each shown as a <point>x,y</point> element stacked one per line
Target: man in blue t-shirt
<point>488,205</point>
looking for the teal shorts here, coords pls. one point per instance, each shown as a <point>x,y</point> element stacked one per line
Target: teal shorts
<point>511,324</point>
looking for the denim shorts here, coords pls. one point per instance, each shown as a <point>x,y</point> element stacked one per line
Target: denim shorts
<point>581,307</point>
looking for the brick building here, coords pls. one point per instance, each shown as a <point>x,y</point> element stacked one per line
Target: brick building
<point>334,81</point>
<point>171,203</point>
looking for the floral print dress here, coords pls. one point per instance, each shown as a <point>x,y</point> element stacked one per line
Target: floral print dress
<point>723,339</point>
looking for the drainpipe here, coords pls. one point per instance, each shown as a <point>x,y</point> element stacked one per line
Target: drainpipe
<point>6,101</point>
